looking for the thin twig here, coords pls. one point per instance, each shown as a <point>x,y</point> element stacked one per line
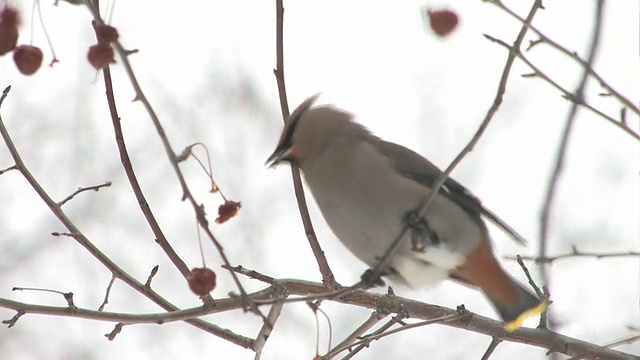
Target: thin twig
<point>327,276</point>
<point>267,327</point>
<point>107,293</point>
<point>13,167</point>
<point>315,307</point>
<point>221,305</point>
<point>12,322</point>
<point>83,189</point>
<point>116,330</point>
<point>564,145</point>
<point>377,336</point>
<point>587,65</point>
<point>325,295</point>
<point>368,339</point>
<point>576,253</point>
<point>253,274</point>
<point>5,93</point>
<point>68,296</point>
<point>622,125</point>
<point>533,284</point>
<point>628,340</point>
<point>542,294</point>
<point>625,341</point>
<point>152,274</point>
<point>492,347</point>
<point>371,321</point>
<point>382,264</point>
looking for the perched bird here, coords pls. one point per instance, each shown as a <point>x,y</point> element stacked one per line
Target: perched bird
<point>369,190</point>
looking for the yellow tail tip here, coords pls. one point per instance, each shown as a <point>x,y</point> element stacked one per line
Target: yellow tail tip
<point>512,325</point>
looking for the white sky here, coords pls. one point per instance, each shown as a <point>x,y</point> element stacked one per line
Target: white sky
<point>207,68</point>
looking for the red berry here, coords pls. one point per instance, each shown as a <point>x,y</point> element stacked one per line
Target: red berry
<point>9,17</point>
<point>443,22</point>
<point>100,55</point>
<point>8,38</point>
<point>106,33</point>
<point>9,22</point>
<point>201,281</point>
<point>28,59</point>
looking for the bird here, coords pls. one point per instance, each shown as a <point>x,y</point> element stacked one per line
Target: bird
<point>368,190</point>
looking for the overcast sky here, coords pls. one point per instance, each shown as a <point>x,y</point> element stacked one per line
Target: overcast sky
<point>207,68</point>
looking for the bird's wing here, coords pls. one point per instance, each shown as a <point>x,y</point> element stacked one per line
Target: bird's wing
<point>413,166</point>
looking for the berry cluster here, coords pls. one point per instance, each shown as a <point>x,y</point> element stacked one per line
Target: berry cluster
<point>28,58</point>
<point>101,54</point>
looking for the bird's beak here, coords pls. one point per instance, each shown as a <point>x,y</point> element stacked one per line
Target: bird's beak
<point>278,155</point>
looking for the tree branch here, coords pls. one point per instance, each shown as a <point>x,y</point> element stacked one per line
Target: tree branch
<point>327,276</point>
<point>552,186</point>
<point>381,303</point>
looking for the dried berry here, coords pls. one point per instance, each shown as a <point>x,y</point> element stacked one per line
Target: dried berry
<point>442,22</point>
<point>101,55</point>
<point>201,281</point>
<point>28,59</point>
<point>227,210</point>
<point>106,33</point>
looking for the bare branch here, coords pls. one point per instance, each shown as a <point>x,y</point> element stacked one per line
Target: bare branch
<point>575,253</point>
<point>251,274</point>
<point>542,294</point>
<point>366,340</point>
<point>221,305</point>
<point>386,303</point>
<point>375,318</point>
<point>12,322</point>
<point>267,328</point>
<point>327,276</point>
<point>4,95</point>
<point>106,294</point>
<point>587,65</point>
<point>566,93</point>
<point>13,167</point>
<point>58,234</point>
<point>152,274</point>
<point>116,330</point>
<point>628,340</point>
<point>68,296</point>
<point>83,189</point>
<point>564,144</point>
<point>492,347</point>
<point>528,275</point>
<point>373,336</point>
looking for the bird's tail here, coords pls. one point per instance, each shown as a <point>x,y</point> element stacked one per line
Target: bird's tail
<point>511,300</point>
<point>515,313</point>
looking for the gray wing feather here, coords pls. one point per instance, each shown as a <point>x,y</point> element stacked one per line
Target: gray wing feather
<point>413,166</point>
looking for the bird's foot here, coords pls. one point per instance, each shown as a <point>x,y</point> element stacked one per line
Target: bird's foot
<point>422,236</point>
<point>369,279</point>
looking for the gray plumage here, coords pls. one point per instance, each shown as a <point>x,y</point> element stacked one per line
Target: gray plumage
<point>366,189</point>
